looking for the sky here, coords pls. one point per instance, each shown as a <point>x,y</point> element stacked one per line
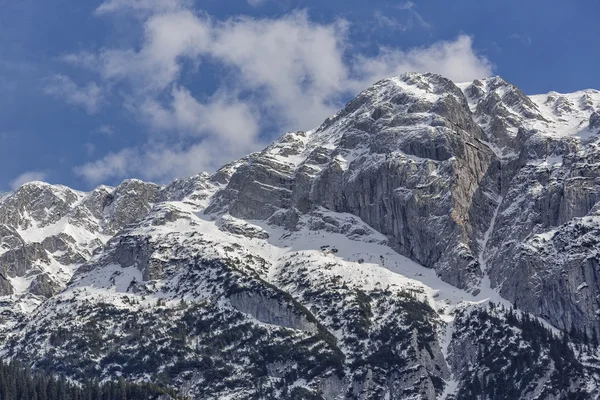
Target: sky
<point>94,92</point>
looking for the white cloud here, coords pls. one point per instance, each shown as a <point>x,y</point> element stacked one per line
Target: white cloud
<point>107,130</point>
<point>90,148</point>
<point>410,7</point>
<point>298,63</point>
<point>227,127</point>
<point>383,21</point>
<point>155,162</point>
<point>523,38</point>
<point>257,3</point>
<point>407,5</point>
<point>455,60</point>
<point>288,73</point>
<point>143,6</point>
<point>111,165</point>
<point>166,38</point>
<point>225,119</point>
<point>25,177</point>
<point>62,87</point>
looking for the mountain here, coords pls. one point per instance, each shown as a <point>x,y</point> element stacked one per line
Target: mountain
<point>429,241</point>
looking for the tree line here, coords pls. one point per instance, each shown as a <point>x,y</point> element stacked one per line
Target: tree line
<point>18,382</point>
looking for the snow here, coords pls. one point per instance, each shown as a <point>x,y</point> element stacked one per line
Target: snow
<point>445,339</point>
<point>362,262</point>
<point>572,121</point>
<point>36,234</point>
<point>485,286</point>
<point>450,389</point>
<point>562,115</point>
<point>582,286</point>
<point>20,284</point>
<point>365,262</point>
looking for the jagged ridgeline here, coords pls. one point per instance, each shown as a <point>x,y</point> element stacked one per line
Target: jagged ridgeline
<point>429,241</point>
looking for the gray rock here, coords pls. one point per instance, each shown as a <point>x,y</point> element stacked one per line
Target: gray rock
<point>44,286</point>
<point>414,184</point>
<point>467,182</point>
<point>6,288</point>
<point>595,121</point>
<point>271,310</point>
<point>20,261</point>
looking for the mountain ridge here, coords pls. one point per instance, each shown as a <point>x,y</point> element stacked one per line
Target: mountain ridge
<point>418,210</point>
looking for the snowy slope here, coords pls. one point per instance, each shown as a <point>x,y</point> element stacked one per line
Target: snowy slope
<point>378,256</point>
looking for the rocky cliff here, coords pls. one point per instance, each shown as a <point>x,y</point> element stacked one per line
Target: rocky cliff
<point>429,241</point>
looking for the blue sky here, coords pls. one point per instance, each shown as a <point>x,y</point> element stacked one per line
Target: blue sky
<point>94,92</point>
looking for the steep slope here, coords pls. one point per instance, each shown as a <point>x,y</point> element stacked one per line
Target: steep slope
<point>47,232</point>
<point>541,252</point>
<point>405,156</point>
<point>379,256</point>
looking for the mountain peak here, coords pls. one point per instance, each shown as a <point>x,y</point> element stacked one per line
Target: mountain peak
<point>362,259</point>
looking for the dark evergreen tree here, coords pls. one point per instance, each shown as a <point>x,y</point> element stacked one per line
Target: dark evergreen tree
<point>20,383</point>
<point>594,338</point>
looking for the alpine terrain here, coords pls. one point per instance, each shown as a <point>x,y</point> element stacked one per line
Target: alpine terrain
<point>431,240</point>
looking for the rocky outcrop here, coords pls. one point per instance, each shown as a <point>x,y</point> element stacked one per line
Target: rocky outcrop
<point>537,257</point>
<point>279,276</point>
<point>412,169</point>
<point>9,238</point>
<point>47,231</point>
<point>44,285</point>
<point>595,121</point>
<point>243,229</point>
<point>130,202</point>
<point>37,201</point>
<point>272,310</point>
<point>19,262</point>
<point>6,288</point>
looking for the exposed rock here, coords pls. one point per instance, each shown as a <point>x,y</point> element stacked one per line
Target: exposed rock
<point>243,229</point>
<point>279,276</point>
<point>595,121</point>
<point>44,286</point>
<point>6,288</point>
<point>271,311</point>
<point>19,262</point>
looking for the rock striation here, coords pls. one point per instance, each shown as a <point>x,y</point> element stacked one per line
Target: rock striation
<point>431,240</point>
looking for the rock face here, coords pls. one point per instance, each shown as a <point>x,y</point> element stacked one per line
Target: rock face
<point>406,156</point>
<point>432,240</point>
<point>271,311</point>
<point>47,232</point>
<point>434,167</point>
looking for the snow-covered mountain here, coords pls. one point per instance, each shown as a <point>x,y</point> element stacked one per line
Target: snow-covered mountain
<point>429,241</point>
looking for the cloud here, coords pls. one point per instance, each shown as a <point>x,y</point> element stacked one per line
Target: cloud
<point>144,6</point>
<point>410,7</point>
<point>228,129</point>
<point>62,87</point>
<point>283,73</point>
<point>297,64</point>
<point>159,163</point>
<point>166,38</point>
<point>382,21</point>
<point>25,177</point>
<point>407,5</point>
<point>455,60</point>
<point>523,38</point>
<point>107,130</point>
<point>226,119</point>
<point>257,3</point>
<point>90,148</point>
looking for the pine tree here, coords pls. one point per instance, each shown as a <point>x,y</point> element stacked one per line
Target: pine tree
<point>20,383</point>
<point>594,338</point>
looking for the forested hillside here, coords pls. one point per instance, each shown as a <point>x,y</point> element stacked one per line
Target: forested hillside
<point>19,383</point>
